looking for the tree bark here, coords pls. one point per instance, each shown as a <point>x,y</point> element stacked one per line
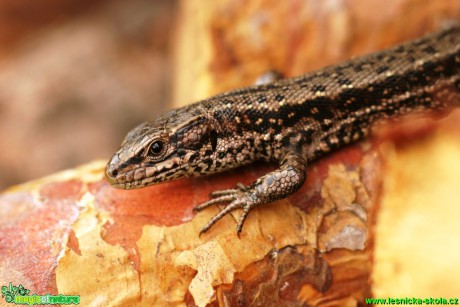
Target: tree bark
<point>376,219</point>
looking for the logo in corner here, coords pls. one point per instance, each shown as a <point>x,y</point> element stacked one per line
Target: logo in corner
<point>20,296</point>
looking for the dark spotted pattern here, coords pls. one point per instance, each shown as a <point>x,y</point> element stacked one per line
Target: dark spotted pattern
<point>290,121</point>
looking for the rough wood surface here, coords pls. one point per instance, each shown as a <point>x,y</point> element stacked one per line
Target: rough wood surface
<point>351,232</point>
<point>417,237</point>
<point>142,246</point>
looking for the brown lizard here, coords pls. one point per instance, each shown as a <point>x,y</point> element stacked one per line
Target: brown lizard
<point>290,121</point>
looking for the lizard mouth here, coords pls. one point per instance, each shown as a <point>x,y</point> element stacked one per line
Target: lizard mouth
<point>144,174</point>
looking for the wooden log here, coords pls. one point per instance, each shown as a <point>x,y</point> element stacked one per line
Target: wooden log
<point>352,231</point>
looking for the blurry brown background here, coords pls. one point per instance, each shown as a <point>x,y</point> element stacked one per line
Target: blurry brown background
<point>75,76</point>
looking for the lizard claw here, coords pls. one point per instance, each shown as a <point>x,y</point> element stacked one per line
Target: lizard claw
<point>221,199</point>
<point>240,187</point>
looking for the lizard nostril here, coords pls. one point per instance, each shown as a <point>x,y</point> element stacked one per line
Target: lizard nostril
<point>111,172</point>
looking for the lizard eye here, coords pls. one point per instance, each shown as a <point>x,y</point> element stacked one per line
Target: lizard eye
<point>156,148</point>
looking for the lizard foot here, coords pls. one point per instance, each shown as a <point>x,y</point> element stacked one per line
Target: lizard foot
<point>275,185</point>
<point>241,197</point>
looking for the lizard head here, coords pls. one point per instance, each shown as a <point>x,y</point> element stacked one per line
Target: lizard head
<point>178,144</point>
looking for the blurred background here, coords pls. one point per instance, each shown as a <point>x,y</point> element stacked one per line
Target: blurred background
<point>75,76</point>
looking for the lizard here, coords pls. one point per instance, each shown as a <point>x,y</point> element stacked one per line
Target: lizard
<point>290,121</point>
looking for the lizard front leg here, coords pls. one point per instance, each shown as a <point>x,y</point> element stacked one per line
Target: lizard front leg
<point>275,185</point>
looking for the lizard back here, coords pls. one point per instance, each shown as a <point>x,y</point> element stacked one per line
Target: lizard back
<point>324,110</point>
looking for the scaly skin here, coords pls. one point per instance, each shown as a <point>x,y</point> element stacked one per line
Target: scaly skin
<point>289,121</point>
